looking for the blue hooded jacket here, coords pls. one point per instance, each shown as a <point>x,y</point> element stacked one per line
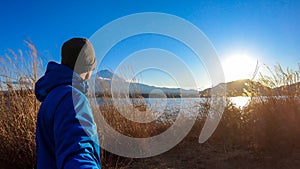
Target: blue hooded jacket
<point>66,133</point>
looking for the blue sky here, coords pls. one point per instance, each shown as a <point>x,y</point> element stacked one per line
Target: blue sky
<point>267,31</point>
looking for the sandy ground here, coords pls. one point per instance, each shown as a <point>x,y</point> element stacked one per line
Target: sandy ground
<point>189,154</point>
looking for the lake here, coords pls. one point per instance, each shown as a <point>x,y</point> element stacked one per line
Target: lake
<point>190,106</point>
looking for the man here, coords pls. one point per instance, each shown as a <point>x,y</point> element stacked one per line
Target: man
<point>66,133</point>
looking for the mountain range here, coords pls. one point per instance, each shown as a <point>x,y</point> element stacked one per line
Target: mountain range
<point>104,83</point>
<point>243,87</point>
<point>104,80</point>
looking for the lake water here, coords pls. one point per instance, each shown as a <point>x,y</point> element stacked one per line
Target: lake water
<point>190,106</point>
<point>239,102</point>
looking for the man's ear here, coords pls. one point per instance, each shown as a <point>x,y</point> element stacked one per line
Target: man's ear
<point>88,75</point>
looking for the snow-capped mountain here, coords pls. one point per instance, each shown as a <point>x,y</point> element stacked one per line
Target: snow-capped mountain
<point>104,85</point>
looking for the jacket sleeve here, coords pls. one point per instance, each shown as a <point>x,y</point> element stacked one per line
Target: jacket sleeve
<point>75,134</point>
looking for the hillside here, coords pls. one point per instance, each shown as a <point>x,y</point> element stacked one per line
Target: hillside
<point>237,88</point>
<point>293,89</point>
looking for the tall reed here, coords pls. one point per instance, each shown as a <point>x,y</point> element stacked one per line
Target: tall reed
<point>274,115</point>
<point>18,112</point>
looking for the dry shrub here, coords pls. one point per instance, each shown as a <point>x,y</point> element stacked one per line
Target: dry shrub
<point>231,130</point>
<point>19,108</point>
<point>17,130</point>
<point>134,106</point>
<point>275,125</point>
<point>274,116</point>
<point>126,127</point>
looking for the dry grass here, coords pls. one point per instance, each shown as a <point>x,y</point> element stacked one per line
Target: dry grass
<point>19,108</point>
<point>274,119</point>
<point>122,125</point>
<point>268,124</point>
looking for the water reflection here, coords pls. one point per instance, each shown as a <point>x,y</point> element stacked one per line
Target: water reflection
<point>240,102</point>
<point>190,105</point>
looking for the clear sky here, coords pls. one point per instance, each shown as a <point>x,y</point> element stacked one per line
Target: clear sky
<point>267,31</point>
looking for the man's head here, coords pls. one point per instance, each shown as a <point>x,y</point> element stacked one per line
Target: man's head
<point>78,54</point>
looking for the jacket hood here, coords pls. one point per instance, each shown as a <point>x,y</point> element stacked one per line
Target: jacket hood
<point>58,75</point>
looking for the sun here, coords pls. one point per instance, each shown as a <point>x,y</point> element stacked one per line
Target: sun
<point>239,66</point>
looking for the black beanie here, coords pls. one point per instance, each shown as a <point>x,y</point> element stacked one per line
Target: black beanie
<point>78,54</point>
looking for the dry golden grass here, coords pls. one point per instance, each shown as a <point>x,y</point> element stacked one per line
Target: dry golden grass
<point>274,118</point>
<point>19,107</point>
<point>267,124</point>
<point>18,110</point>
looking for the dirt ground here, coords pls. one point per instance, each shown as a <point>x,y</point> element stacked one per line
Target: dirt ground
<point>189,154</point>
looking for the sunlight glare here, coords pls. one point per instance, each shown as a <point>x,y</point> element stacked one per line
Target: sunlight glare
<point>239,66</point>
